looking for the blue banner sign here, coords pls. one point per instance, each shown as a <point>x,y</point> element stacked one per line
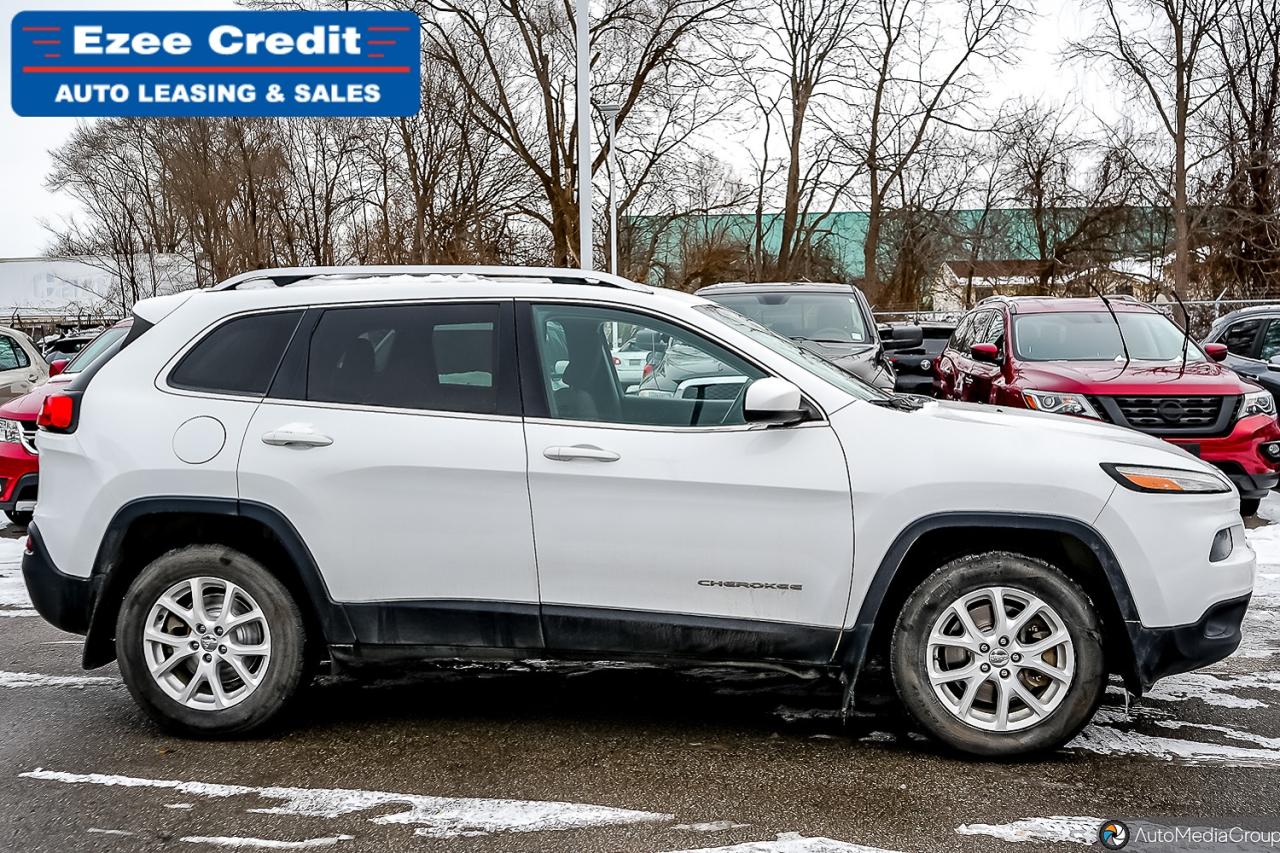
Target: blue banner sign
<point>233,63</point>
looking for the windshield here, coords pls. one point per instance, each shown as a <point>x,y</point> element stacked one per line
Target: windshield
<point>1094,336</point>
<point>820,317</point>
<point>797,355</point>
<point>86,356</point>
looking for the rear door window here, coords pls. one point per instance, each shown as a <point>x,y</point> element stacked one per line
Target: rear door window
<point>239,357</point>
<point>12,356</point>
<point>1242,337</point>
<point>444,357</point>
<point>1270,347</point>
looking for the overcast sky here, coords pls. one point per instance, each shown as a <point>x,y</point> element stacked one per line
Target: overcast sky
<point>25,142</point>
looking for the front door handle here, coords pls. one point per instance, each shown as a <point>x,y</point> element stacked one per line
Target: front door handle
<point>293,436</point>
<point>580,451</point>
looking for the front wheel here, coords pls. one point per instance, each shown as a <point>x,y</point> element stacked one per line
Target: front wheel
<point>999,654</point>
<point>209,642</point>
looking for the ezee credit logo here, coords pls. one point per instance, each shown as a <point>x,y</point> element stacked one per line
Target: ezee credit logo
<point>215,63</point>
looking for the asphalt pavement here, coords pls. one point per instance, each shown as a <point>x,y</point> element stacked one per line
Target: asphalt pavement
<point>540,757</point>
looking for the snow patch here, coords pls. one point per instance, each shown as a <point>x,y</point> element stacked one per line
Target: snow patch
<point>1215,689</point>
<point>177,805</point>
<point>1105,740</point>
<point>435,817</point>
<point>14,600</point>
<point>791,842</point>
<point>1056,829</point>
<point>35,679</point>
<point>263,843</point>
<point>94,830</point>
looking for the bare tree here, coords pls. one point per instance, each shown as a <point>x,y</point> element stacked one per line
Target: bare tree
<point>1161,52</point>
<point>919,79</point>
<point>1244,256</point>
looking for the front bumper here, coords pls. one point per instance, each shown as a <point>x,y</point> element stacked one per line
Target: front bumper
<point>1159,652</point>
<point>1239,454</point>
<point>19,474</point>
<point>63,600</point>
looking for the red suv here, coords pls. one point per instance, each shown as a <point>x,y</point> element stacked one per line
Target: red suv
<point>1125,366</point>
<point>19,460</point>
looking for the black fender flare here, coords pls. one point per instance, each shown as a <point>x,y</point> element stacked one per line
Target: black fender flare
<point>854,645</point>
<point>99,645</point>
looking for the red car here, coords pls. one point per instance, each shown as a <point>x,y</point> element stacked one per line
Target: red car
<point>1125,366</point>
<point>19,461</point>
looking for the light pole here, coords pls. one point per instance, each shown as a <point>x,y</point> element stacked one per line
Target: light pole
<point>610,112</point>
<point>582,13</point>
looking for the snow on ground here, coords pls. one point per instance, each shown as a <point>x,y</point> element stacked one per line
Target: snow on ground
<point>433,817</point>
<point>14,600</point>
<point>240,843</point>
<point>35,679</point>
<point>790,842</point>
<point>1056,829</point>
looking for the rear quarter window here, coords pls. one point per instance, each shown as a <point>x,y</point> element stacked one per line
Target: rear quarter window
<point>238,357</point>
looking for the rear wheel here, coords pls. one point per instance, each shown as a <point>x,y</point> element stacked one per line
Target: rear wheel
<point>22,519</point>
<point>1249,506</point>
<point>209,642</point>
<point>999,654</point>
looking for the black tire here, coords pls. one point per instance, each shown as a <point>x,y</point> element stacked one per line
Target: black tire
<point>909,662</point>
<point>22,519</point>
<point>284,669</point>
<point>1249,507</point>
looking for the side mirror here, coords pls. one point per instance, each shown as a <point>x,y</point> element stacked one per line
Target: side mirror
<point>904,337</point>
<point>985,352</point>
<point>1273,363</point>
<point>1217,352</point>
<point>773,401</point>
<point>58,365</point>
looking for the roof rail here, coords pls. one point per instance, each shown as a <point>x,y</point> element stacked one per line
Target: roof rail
<point>285,276</point>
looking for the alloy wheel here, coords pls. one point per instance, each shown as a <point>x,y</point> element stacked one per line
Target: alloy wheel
<point>1000,659</point>
<point>207,643</point>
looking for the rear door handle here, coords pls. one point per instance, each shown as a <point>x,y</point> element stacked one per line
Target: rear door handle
<point>580,451</point>
<point>296,437</point>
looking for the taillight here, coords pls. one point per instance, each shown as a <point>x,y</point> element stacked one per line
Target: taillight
<point>58,413</point>
<point>648,371</point>
<point>617,360</point>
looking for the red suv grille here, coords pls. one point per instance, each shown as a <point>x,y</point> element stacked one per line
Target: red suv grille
<point>1205,416</point>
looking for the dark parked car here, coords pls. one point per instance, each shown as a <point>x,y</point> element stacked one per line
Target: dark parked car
<point>1252,339</point>
<point>914,366</point>
<point>833,321</point>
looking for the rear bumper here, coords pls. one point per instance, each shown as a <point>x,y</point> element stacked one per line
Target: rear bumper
<point>1159,652</point>
<point>63,600</point>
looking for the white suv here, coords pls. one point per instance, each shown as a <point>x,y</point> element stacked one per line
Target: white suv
<point>373,464</point>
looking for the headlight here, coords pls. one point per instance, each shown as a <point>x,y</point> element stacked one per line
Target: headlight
<point>1059,404</point>
<point>1147,478</point>
<point>1258,403</point>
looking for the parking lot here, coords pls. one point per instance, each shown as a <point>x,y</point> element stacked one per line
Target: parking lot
<point>539,757</point>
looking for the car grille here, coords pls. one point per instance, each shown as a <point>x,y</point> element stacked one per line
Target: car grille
<point>1207,415</point>
<point>27,436</point>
